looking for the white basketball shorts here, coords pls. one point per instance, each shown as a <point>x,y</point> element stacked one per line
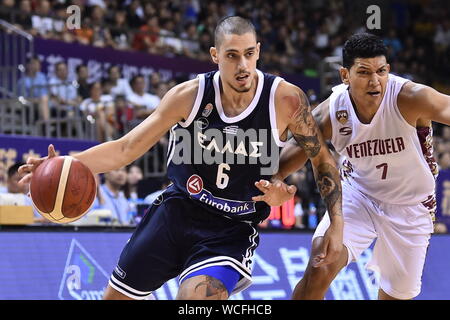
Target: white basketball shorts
<point>402,235</point>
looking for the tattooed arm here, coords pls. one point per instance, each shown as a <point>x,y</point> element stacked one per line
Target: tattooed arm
<point>307,134</point>
<point>293,157</point>
<point>293,109</point>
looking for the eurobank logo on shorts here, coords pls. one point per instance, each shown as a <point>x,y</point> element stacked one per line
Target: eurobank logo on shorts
<point>83,278</point>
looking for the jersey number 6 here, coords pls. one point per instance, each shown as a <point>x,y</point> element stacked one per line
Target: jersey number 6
<point>383,166</point>
<point>222,178</point>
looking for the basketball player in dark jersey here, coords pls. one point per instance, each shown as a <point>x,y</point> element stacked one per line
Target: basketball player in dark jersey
<point>227,128</point>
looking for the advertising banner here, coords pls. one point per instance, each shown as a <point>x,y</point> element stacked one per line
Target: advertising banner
<point>18,148</point>
<point>77,265</point>
<point>98,60</point>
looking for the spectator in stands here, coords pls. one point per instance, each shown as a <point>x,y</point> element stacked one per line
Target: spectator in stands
<point>444,161</point>
<point>85,34</point>
<point>169,42</point>
<point>5,9</point>
<point>20,191</point>
<point>98,205</point>
<point>119,31</point>
<point>97,15</point>
<point>134,175</point>
<point>23,18</point>
<point>446,133</point>
<point>64,96</point>
<point>298,211</point>
<point>162,89</point>
<point>114,198</point>
<point>144,103</point>
<point>33,86</point>
<point>107,85</point>
<point>120,86</point>
<point>99,201</point>
<point>124,114</point>
<point>82,72</point>
<point>147,38</point>
<point>101,110</point>
<point>101,36</point>
<point>42,22</point>
<point>12,182</point>
<point>205,42</point>
<point>442,36</point>
<point>135,14</point>
<point>154,82</point>
<point>59,22</point>
<point>393,42</point>
<point>189,38</point>
<point>149,10</point>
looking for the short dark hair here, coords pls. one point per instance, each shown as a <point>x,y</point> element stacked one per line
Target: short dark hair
<point>33,58</point>
<point>78,68</point>
<point>91,85</point>
<point>362,45</point>
<point>60,63</point>
<point>135,77</point>
<point>232,25</point>
<point>13,169</point>
<point>112,67</point>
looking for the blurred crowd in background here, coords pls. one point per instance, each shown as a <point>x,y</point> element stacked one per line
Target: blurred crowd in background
<point>295,37</point>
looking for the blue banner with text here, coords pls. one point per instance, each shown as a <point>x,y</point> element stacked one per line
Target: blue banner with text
<point>76,266</point>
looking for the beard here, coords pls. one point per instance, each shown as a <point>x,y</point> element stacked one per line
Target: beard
<point>241,89</point>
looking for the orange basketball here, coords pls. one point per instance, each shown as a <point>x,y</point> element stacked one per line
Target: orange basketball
<point>62,189</point>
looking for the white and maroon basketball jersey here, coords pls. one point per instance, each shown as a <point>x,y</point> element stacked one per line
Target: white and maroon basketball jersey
<point>387,159</point>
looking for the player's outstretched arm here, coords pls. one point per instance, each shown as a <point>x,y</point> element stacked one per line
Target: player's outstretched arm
<point>309,137</point>
<point>175,106</point>
<point>292,158</point>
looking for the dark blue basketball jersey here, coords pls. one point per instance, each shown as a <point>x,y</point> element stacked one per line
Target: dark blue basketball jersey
<point>215,159</point>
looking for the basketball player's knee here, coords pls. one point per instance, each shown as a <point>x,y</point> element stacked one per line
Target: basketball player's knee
<point>319,278</point>
<point>202,288</point>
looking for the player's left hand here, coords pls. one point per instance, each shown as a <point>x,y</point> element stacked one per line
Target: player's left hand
<point>274,193</point>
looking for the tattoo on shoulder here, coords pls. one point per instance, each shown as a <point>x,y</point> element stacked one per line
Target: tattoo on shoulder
<point>305,130</point>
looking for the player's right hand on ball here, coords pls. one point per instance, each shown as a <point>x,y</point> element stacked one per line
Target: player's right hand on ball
<point>32,164</point>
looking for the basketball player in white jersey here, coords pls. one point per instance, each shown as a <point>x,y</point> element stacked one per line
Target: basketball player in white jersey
<point>381,125</point>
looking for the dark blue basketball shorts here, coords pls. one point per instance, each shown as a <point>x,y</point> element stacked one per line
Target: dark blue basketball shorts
<point>177,237</point>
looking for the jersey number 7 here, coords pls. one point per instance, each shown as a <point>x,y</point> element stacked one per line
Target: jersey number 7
<point>383,166</point>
